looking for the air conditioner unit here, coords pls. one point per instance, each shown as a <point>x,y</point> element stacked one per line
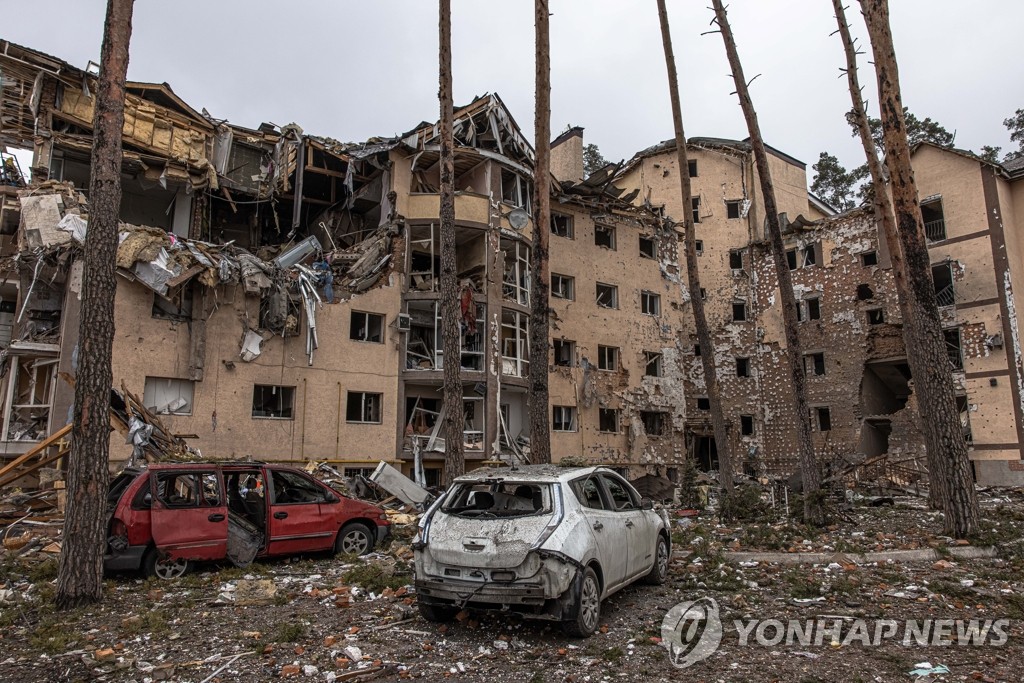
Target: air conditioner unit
<point>404,322</point>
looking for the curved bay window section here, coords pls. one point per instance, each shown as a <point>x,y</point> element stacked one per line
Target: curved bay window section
<point>424,350</point>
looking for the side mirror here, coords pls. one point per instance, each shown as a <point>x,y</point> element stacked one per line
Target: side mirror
<point>646,504</point>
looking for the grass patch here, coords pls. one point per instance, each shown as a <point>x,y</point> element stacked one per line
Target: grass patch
<point>373,577</point>
<point>289,632</point>
<point>612,654</point>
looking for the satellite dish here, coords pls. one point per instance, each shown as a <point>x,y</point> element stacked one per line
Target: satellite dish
<point>518,218</point>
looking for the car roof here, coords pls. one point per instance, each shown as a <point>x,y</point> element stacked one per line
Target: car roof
<point>526,473</point>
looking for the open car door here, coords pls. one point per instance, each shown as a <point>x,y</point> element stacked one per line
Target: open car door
<point>189,513</point>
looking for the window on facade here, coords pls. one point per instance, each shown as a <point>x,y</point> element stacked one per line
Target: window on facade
<point>608,420</point>
<point>269,400</point>
<point>604,236</point>
<point>363,407</point>
<point>607,358</point>
<point>696,350</point>
<point>739,311</point>
<point>563,286</point>
<point>876,316</point>
<point>732,208</point>
<point>934,220</point>
<point>515,190</point>
<point>808,256</point>
<point>367,327</point>
<point>695,205</point>
<point>703,403</point>
<point>813,308</point>
<point>791,258</point>
<point>746,425</point>
<point>953,348</point>
<point>166,396</point>
<point>607,295</point>
<point>703,294</point>
<point>563,418</point>
<point>176,306</point>
<point>824,417</point>
<point>814,363</point>
<point>652,363</point>
<point>736,259</point>
<point>743,367</point>
<point>654,422</point>
<point>565,353</point>
<point>699,247</point>
<point>864,292</point>
<point>691,165</point>
<point>869,258</point>
<point>942,276</point>
<point>561,226</point>
<point>650,303</point>
<point>647,247</point>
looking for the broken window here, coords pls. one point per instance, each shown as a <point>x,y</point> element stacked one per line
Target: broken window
<point>177,305</point>
<point>733,208</point>
<point>743,367</point>
<point>699,247</point>
<point>607,358</point>
<point>167,396</point>
<point>473,421</point>
<point>813,308</point>
<point>30,385</point>
<point>876,316</point>
<point>746,425</point>
<point>424,258</point>
<point>864,292</point>
<point>515,343</point>
<point>565,353</point>
<point>691,167</point>
<point>739,311</point>
<point>703,403</point>
<point>791,258</point>
<point>648,248</point>
<point>188,489</point>
<point>272,401</point>
<point>953,348</point>
<point>808,256</point>
<point>654,422</point>
<point>824,419</point>
<point>696,350</point>
<point>814,363</point>
<point>650,303</point>
<point>604,236</point>
<point>695,205</point>
<point>736,259</point>
<point>367,327</point>
<point>563,286</point>
<point>934,219</point>
<point>291,489</point>
<point>363,406</point>
<point>607,295</point>
<point>561,226</point>
<point>588,492</point>
<point>652,363</point>
<point>515,190</point>
<point>608,420</point>
<point>516,277</point>
<point>869,258</point>
<point>942,276</point>
<point>563,418</point>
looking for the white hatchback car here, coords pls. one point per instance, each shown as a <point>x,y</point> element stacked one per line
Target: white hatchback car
<point>541,540</point>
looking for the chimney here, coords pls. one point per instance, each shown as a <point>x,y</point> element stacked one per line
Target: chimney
<point>567,155</point>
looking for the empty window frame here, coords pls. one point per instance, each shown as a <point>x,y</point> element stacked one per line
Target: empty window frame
<point>691,167</point>
<point>608,420</point>
<point>363,407</point>
<point>607,295</point>
<point>699,247</point>
<point>563,418</point>
<point>604,236</point>
<point>696,350</point>
<point>823,417</point>
<point>565,353</point>
<point>813,305</point>
<point>166,396</point>
<point>814,363</point>
<point>869,258</point>
<point>176,306</point>
<point>736,259</point>
<point>942,276</point>
<point>562,226</point>
<point>695,206</point>
<point>703,403</point>
<point>953,348</point>
<point>791,258</point>
<point>703,294</point>
<point>652,363</point>
<point>802,257</point>
<point>743,367</point>
<point>746,425</point>
<point>650,303</point>
<point>739,311</point>
<point>515,190</point>
<point>655,422</point>
<point>367,327</point>
<point>515,343</point>
<point>648,247</point>
<point>607,358</point>
<point>733,208</point>
<point>934,219</point>
<point>864,292</point>
<point>563,286</point>
<point>875,316</point>
<point>273,401</point>
<point>515,284</point>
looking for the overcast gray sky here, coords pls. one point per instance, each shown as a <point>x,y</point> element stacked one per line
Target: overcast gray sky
<point>352,69</point>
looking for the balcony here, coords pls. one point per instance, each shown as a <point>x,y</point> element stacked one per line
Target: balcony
<point>935,230</point>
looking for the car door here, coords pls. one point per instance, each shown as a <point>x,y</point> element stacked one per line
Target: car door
<point>189,513</point>
<point>607,527</point>
<point>301,517</point>
<point>639,546</point>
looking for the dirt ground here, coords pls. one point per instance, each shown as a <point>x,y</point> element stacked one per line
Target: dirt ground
<point>325,619</point>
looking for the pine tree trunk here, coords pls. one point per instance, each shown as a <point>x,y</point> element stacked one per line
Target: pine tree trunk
<point>813,513</point>
<point>80,577</point>
<point>707,355</point>
<point>451,340</point>
<point>948,462</point>
<point>540,431</point>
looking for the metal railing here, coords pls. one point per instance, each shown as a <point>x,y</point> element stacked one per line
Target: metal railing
<point>935,230</point>
<point>945,296</point>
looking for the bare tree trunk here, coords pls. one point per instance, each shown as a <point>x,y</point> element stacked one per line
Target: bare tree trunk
<point>80,577</point>
<point>454,460</point>
<point>707,356</point>
<point>813,513</point>
<point>948,462</point>
<point>540,428</point>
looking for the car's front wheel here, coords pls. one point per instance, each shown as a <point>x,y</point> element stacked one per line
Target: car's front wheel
<point>588,607</point>
<point>154,565</point>
<point>659,572</point>
<point>354,539</point>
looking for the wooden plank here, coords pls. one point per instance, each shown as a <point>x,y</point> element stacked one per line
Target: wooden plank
<point>39,448</point>
<point>14,476</point>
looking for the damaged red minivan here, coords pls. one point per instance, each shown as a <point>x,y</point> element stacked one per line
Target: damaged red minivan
<point>164,517</point>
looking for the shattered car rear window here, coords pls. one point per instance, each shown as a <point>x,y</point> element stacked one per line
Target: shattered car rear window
<point>498,499</point>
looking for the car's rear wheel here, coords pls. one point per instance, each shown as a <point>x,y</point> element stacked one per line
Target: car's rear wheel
<point>659,572</point>
<point>436,613</point>
<point>154,565</point>
<point>588,607</point>
<point>354,539</point>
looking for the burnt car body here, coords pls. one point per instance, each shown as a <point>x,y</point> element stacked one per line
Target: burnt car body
<point>542,541</point>
<point>166,516</point>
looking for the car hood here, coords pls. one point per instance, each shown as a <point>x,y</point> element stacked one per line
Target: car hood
<point>500,543</point>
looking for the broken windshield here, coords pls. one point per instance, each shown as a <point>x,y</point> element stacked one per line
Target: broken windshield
<point>498,499</point>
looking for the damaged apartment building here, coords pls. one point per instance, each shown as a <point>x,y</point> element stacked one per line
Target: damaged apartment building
<point>278,293</point>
